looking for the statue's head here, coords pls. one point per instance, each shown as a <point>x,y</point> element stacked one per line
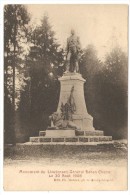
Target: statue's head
<point>72,31</point>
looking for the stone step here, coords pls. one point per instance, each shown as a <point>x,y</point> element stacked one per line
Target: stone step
<point>89,133</point>
<point>42,133</point>
<point>71,139</point>
<point>80,133</point>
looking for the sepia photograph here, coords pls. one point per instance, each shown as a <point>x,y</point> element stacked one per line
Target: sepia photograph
<point>65,97</point>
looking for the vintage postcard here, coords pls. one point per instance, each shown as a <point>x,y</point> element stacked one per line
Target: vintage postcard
<point>65,97</point>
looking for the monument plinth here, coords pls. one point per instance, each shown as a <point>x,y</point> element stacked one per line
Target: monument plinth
<point>80,116</point>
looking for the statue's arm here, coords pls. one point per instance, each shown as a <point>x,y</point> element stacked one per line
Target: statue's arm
<point>78,44</point>
<point>67,47</point>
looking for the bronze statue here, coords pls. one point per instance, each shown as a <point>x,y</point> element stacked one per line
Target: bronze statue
<point>73,53</point>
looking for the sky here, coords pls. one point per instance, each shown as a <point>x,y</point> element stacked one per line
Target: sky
<point>104,26</point>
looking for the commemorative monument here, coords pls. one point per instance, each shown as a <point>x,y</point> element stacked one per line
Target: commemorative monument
<point>71,122</point>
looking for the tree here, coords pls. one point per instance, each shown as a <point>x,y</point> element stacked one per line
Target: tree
<point>106,90</point>
<point>89,62</point>
<point>15,20</point>
<point>90,68</point>
<point>43,67</point>
<point>114,91</point>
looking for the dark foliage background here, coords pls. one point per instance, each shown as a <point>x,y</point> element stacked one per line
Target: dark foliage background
<point>29,103</point>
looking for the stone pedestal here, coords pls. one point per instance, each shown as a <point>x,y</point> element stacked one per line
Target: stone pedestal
<point>86,134</point>
<point>81,116</point>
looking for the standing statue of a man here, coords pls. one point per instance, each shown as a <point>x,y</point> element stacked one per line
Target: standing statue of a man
<point>73,53</point>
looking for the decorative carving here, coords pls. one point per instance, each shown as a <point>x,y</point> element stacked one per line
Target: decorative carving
<point>69,107</point>
<point>64,119</point>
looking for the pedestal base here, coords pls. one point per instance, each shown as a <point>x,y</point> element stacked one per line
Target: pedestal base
<point>71,139</point>
<point>60,133</point>
<point>70,135</point>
